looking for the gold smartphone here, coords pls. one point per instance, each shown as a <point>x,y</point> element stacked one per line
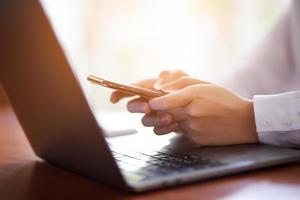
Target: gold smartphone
<point>129,89</point>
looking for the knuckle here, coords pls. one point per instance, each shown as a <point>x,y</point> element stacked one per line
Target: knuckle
<point>145,120</point>
<point>192,110</point>
<point>179,72</point>
<point>164,73</point>
<point>175,127</point>
<point>192,125</point>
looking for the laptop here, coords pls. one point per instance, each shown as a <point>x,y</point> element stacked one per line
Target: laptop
<point>62,129</point>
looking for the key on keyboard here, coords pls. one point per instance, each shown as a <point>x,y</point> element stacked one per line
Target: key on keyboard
<point>159,163</point>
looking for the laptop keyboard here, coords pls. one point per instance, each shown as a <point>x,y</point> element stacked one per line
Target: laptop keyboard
<point>160,163</point>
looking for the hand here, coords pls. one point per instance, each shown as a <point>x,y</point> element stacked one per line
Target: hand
<point>208,114</point>
<point>164,78</point>
<point>163,83</point>
<point>168,81</point>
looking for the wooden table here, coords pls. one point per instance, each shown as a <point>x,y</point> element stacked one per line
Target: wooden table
<point>24,176</point>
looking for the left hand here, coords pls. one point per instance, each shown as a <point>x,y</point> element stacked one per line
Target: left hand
<point>208,114</point>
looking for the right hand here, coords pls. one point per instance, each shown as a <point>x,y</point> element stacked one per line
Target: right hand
<point>168,81</point>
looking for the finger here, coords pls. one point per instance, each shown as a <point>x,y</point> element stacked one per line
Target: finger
<point>157,120</point>
<point>118,95</point>
<point>181,83</point>
<point>167,129</point>
<point>162,76</point>
<point>178,114</point>
<point>173,77</point>
<point>168,76</point>
<point>147,83</point>
<point>173,100</point>
<point>138,105</point>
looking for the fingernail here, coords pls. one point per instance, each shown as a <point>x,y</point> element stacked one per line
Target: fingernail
<point>146,108</point>
<point>166,119</point>
<point>113,99</point>
<point>157,84</point>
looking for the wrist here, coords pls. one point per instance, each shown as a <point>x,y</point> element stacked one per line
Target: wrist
<point>250,125</point>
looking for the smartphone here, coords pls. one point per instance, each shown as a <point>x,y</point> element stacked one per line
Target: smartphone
<point>129,89</point>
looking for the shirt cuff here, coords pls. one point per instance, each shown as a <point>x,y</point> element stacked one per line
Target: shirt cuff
<point>277,118</point>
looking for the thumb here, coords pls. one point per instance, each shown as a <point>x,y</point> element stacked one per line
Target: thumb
<point>173,100</point>
<point>181,83</point>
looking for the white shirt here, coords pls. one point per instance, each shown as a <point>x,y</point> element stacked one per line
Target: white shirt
<point>272,71</point>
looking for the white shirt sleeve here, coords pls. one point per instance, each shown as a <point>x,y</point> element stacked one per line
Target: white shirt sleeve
<point>277,118</point>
